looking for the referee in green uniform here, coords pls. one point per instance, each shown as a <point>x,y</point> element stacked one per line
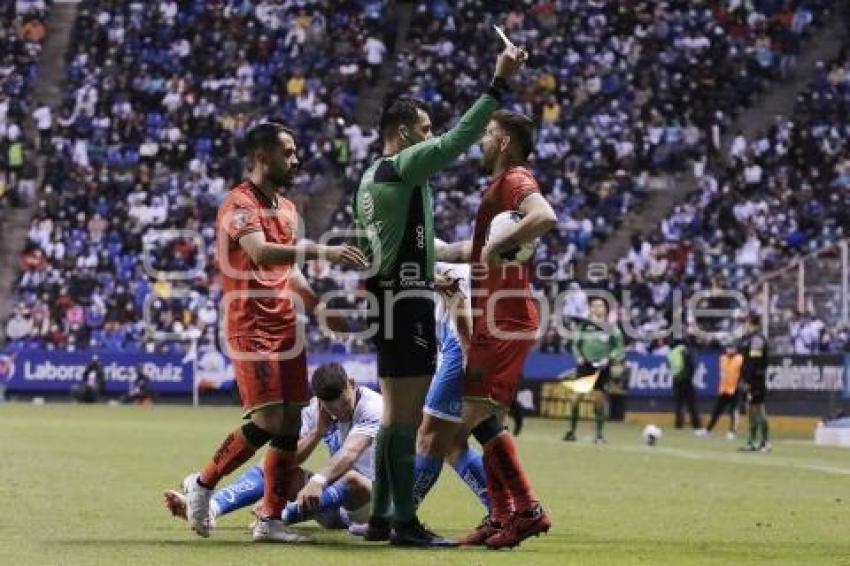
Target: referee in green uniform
<point>755,349</point>
<point>597,347</point>
<point>395,220</point>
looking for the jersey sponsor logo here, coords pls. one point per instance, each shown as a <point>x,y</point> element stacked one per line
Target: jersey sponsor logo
<point>420,236</point>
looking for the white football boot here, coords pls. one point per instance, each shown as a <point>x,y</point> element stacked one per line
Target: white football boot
<point>197,505</point>
<point>274,530</point>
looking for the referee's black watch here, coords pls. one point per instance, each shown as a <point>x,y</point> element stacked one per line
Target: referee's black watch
<point>498,87</point>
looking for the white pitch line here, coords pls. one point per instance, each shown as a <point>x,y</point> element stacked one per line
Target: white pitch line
<point>768,460</point>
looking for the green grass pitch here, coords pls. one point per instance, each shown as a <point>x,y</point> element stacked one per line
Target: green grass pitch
<point>81,485</point>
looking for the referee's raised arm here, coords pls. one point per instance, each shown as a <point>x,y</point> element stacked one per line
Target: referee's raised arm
<point>418,162</point>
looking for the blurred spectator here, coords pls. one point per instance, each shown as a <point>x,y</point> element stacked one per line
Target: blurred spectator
<point>93,386</point>
<point>140,388</point>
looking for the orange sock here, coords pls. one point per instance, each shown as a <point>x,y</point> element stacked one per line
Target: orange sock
<point>232,453</point>
<point>503,451</point>
<point>279,469</point>
<point>501,502</point>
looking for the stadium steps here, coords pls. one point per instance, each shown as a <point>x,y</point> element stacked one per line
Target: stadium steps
<point>319,210</point>
<point>672,189</point>
<point>47,87</point>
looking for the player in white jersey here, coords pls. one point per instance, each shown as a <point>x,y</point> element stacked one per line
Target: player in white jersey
<point>343,416</point>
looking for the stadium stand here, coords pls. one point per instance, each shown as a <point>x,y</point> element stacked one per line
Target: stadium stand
<point>147,139</point>
<point>149,135</point>
<point>22,32</point>
<point>781,195</point>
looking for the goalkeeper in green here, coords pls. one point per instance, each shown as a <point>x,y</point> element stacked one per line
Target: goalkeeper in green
<point>395,222</point>
<point>597,348</point>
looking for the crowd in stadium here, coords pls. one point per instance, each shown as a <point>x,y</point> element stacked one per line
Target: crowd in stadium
<point>622,92</point>
<point>783,193</point>
<point>148,138</point>
<point>22,33</point>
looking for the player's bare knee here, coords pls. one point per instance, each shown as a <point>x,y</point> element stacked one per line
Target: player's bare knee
<point>425,440</point>
<point>459,445</point>
<point>359,489</point>
<point>435,436</point>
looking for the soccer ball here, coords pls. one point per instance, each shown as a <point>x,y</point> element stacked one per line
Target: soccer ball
<point>502,223</point>
<point>651,434</point>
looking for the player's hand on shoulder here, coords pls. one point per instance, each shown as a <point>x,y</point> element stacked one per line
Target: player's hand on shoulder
<point>347,256</point>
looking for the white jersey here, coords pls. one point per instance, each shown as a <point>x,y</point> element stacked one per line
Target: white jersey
<point>445,324</point>
<point>368,408</point>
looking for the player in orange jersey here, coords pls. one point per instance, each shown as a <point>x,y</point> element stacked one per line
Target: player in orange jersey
<point>262,292</point>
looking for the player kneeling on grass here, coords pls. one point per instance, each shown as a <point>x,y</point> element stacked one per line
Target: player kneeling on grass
<point>346,418</point>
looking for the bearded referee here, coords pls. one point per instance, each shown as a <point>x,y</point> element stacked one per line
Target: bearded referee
<point>393,214</point>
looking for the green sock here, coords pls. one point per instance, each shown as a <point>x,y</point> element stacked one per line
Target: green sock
<point>599,413</point>
<point>754,425</point>
<point>574,417</point>
<point>401,454</point>
<point>381,483</point>
<point>765,430</point>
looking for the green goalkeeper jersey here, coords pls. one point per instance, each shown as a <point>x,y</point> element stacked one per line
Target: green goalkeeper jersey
<point>393,204</point>
<point>596,345</point>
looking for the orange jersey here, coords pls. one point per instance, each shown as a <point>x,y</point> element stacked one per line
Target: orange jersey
<point>516,312</point>
<point>730,372</point>
<point>254,298</point>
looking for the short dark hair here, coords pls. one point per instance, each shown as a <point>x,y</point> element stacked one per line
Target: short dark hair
<point>329,381</point>
<point>400,110</point>
<point>265,135</point>
<point>520,127</point>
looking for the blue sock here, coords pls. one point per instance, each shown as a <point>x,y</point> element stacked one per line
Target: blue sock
<point>332,498</point>
<point>247,489</point>
<point>426,470</point>
<point>470,467</point>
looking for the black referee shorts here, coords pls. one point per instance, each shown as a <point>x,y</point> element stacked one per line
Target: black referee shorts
<point>758,390</point>
<point>406,341</point>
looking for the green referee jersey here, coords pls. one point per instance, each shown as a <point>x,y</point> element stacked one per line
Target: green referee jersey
<point>393,204</point>
<point>595,345</point>
<point>756,351</point>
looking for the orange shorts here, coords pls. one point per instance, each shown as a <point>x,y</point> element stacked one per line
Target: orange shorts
<point>271,381</point>
<point>494,368</point>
